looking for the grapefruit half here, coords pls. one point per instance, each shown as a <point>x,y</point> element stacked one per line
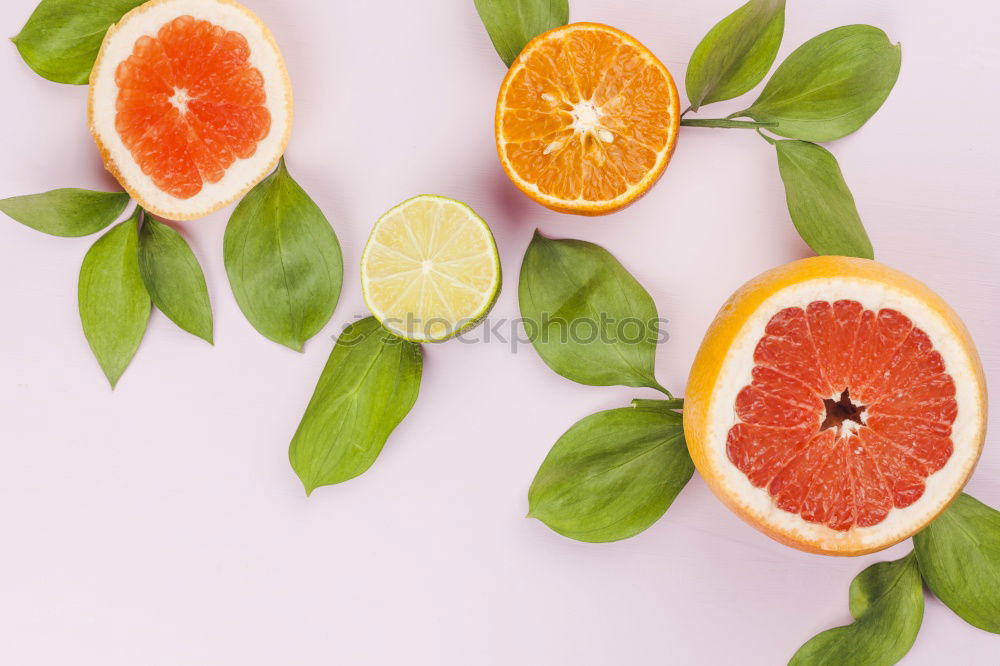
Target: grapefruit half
<point>190,104</point>
<point>586,119</point>
<point>836,404</point>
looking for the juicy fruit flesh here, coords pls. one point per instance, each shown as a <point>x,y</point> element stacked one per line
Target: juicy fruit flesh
<point>190,104</point>
<point>587,116</point>
<point>430,269</point>
<point>848,412</point>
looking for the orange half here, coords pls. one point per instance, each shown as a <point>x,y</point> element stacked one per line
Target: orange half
<point>586,119</point>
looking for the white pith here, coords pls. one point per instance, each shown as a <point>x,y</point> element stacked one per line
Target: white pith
<point>586,122</point>
<point>941,486</point>
<point>424,273</point>
<point>180,100</point>
<point>146,20</point>
<point>586,118</point>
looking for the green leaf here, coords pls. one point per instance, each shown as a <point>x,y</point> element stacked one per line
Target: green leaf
<point>830,86</point>
<point>587,317</point>
<point>174,279</point>
<point>513,23</point>
<point>67,212</point>
<point>114,304</point>
<point>819,201</point>
<point>61,39</point>
<point>959,555</point>
<point>283,261</point>
<point>612,474</point>
<point>887,604</point>
<point>367,387</point>
<point>735,54</point>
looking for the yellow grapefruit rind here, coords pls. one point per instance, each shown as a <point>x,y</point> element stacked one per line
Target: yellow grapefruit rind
<point>583,206</point>
<point>179,211</point>
<point>703,388</point>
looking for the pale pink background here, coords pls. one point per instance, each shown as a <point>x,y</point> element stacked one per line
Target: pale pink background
<point>161,523</point>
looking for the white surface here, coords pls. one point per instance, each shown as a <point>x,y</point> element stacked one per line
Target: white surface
<point>161,524</point>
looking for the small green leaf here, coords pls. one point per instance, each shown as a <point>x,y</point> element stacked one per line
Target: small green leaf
<point>830,86</point>
<point>367,387</point>
<point>61,39</point>
<point>735,54</point>
<point>587,317</point>
<point>67,212</point>
<point>819,201</point>
<point>887,604</point>
<point>174,279</point>
<point>283,261</point>
<point>959,555</point>
<point>513,23</point>
<point>612,475</point>
<point>114,304</point>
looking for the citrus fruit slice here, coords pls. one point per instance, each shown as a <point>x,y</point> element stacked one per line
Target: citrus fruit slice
<point>430,269</point>
<point>586,119</point>
<point>836,404</point>
<point>190,104</point>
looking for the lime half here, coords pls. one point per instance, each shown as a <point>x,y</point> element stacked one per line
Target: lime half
<point>430,269</point>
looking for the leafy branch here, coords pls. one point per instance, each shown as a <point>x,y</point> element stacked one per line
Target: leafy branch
<point>827,88</point>
<point>614,473</point>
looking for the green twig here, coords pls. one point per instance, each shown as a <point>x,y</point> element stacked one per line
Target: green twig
<point>658,405</point>
<point>723,123</point>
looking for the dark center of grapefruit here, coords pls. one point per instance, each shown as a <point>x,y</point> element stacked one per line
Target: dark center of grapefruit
<point>848,412</point>
<point>841,409</point>
<point>190,104</point>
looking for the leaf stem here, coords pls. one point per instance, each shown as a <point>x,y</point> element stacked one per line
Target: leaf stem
<point>723,123</point>
<point>685,112</point>
<point>656,385</point>
<point>766,137</point>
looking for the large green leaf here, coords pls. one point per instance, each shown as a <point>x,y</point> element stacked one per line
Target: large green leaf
<point>735,54</point>
<point>587,317</point>
<point>613,474</point>
<point>887,604</point>
<point>819,201</point>
<point>114,304</point>
<point>66,212</point>
<point>830,86</point>
<point>513,23</point>
<point>61,39</point>
<point>959,555</point>
<point>174,279</point>
<point>283,261</point>
<point>367,387</point>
